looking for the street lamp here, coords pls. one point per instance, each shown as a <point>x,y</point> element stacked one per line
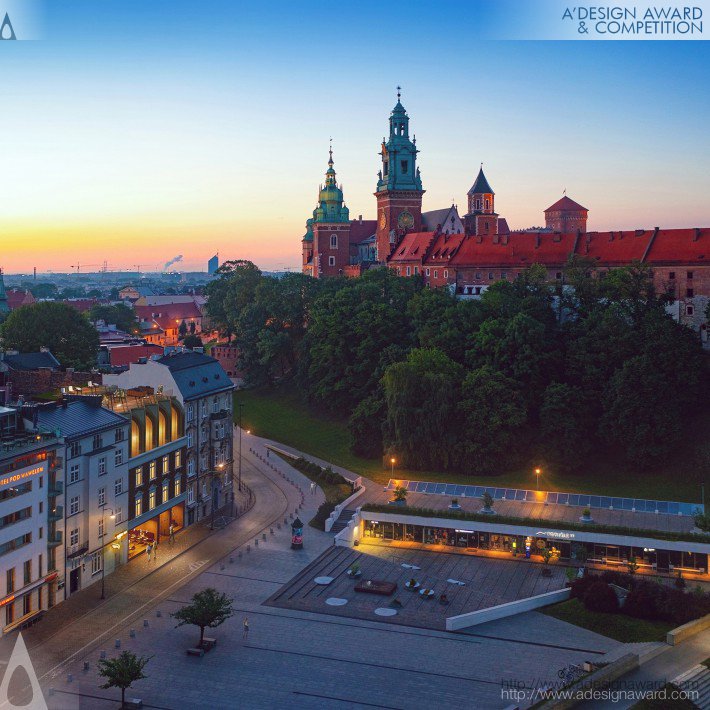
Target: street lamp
<point>392,461</point>
<point>537,477</point>
<point>103,548</point>
<point>239,479</point>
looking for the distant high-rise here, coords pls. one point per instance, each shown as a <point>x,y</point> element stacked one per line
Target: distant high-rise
<point>213,264</point>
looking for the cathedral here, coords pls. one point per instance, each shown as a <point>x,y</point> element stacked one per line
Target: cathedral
<point>336,245</point>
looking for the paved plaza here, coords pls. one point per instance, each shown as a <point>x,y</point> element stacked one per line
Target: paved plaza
<point>486,583</point>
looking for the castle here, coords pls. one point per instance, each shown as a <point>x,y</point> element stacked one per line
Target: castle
<point>469,253</point>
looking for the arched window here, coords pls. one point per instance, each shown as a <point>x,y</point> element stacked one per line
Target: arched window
<point>333,241</point>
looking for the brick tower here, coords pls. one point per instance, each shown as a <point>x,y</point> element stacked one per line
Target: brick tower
<point>482,217</point>
<point>399,188</point>
<point>566,216</point>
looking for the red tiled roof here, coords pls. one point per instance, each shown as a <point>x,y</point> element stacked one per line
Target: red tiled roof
<point>564,203</point>
<point>412,246</point>
<point>517,249</point>
<point>444,248</point>
<point>17,297</point>
<point>680,246</point>
<point>81,304</point>
<point>123,355</point>
<point>169,312</point>
<point>614,248</point>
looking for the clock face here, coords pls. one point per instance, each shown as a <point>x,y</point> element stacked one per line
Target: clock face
<point>383,220</point>
<point>405,220</point>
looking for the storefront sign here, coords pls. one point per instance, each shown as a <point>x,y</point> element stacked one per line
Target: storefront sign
<point>22,475</point>
<point>556,534</point>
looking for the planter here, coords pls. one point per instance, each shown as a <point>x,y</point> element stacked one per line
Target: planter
<point>487,511</point>
<point>354,574</point>
<point>586,519</point>
<point>400,503</point>
<point>454,506</point>
<point>416,585</point>
<point>426,593</point>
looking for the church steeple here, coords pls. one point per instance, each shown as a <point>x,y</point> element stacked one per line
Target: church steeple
<point>330,197</point>
<point>481,218</point>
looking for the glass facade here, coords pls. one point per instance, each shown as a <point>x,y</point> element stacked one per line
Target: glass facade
<point>611,555</point>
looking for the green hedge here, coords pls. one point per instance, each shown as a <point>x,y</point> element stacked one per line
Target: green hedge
<point>539,522</point>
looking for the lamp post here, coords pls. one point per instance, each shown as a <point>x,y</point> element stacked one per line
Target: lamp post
<point>392,461</point>
<point>239,479</point>
<point>103,549</point>
<point>537,478</point>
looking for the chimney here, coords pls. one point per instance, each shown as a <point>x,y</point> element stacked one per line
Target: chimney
<point>360,218</point>
<point>495,239</point>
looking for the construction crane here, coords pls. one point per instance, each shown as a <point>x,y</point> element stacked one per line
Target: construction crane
<point>102,267</point>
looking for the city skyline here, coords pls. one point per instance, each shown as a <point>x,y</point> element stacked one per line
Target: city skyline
<point>209,131</point>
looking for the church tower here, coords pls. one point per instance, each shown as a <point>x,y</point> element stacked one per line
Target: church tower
<point>482,218</point>
<point>329,230</point>
<point>399,188</point>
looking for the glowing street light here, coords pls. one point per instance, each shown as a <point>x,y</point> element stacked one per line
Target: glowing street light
<point>537,477</point>
<point>392,461</point>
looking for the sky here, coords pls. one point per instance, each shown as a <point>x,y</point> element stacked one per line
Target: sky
<point>133,132</point>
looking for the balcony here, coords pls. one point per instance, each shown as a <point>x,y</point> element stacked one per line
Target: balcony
<point>56,488</point>
<point>55,538</point>
<point>55,514</point>
<point>78,549</point>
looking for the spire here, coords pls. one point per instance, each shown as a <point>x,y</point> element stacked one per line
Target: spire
<point>330,196</point>
<point>481,185</point>
<point>4,307</point>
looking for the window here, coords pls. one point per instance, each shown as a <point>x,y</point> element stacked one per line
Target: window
<point>151,499</point>
<point>690,275</point>
<point>118,457</point>
<point>426,271</point>
<point>689,293</point>
<point>138,474</point>
<point>118,486</point>
<point>166,464</point>
<point>119,515</point>
<point>74,505</point>
<point>404,164</point>
<point>96,563</point>
<point>490,276</point>
<point>331,261</point>
<point>386,166</point>
<point>416,270</point>
<point>204,489</point>
<point>190,439</point>
<point>689,310</point>
<point>436,273</point>
<point>102,496</point>
<point>178,459</point>
<point>478,275</point>
<point>139,505</point>
<point>333,241</point>
<point>215,405</point>
<point>190,412</point>
<point>177,487</point>
<point>27,568</point>
<point>166,491</point>
<point>191,494</point>
<point>102,466</point>
<point>488,204</point>
<point>503,275</point>
<point>120,435</point>
<point>40,564</point>
<point>101,527</point>
<point>41,532</point>
<point>151,470</point>
<point>27,604</point>
<point>10,577</point>
<point>671,275</point>
<point>191,467</point>
<point>74,473</point>
<point>97,442</point>
<point>74,536</point>
<point>558,275</point>
<point>75,449</point>
<point>446,273</point>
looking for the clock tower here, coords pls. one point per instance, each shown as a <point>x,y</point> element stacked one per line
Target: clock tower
<point>399,188</point>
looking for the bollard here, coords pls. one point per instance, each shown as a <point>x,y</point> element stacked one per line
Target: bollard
<point>145,623</point>
<point>118,643</point>
<point>132,633</point>
<point>86,665</point>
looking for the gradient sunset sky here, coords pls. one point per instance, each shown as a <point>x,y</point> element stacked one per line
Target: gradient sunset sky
<point>135,131</point>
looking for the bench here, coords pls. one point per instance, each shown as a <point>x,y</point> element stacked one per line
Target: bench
<point>196,652</point>
<point>376,586</point>
<point>208,643</point>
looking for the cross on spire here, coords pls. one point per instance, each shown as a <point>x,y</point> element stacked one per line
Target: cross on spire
<point>564,192</point>
<point>330,152</point>
<point>399,92</point>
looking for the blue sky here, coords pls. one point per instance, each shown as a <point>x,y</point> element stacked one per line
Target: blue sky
<point>134,130</point>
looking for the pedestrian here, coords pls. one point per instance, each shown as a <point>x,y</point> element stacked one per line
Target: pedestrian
<point>155,551</point>
<point>245,624</point>
<point>313,487</point>
<point>172,533</point>
<point>149,550</point>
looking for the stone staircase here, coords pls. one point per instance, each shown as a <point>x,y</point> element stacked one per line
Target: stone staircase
<point>696,679</point>
<point>342,521</point>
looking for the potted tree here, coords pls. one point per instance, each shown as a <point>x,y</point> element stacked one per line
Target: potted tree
<point>399,496</point>
<point>122,671</point>
<point>454,504</point>
<point>549,554</point>
<point>209,609</point>
<point>487,499</point>
<point>586,516</point>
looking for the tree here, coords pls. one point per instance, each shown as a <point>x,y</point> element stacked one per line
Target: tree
<point>365,426</point>
<point>209,609</point>
<point>422,395</point>
<point>120,315</point>
<point>182,330</point>
<point>492,413</point>
<point>192,341</point>
<point>57,326</point>
<point>230,293</point>
<point>122,671</point>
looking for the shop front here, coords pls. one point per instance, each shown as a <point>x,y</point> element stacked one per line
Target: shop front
<point>154,526</point>
<point>571,546</point>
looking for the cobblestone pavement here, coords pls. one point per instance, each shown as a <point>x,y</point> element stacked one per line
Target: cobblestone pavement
<point>291,657</point>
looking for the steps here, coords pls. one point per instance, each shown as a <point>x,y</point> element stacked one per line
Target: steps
<point>342,521</point>
<point>697,679</point>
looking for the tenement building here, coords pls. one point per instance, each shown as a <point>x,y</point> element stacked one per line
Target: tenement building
<point>468,253</point>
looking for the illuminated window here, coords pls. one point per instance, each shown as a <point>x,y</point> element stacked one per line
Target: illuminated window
<point>138,473</point>
<point>166,490</point>
<point>151,499</point>
<point>177,486</point>
<point>178,459</point>
<point>166,464</point>
<point>151,469</point>
<point>139,505</point>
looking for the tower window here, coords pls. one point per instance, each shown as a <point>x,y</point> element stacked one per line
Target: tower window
<point>478,204</point>
<point>689,310</point>
<point>488,204</point>
<point>331,261</point>
<point>333,241</point>
<point>689,293</point>
<point>405,165</point>
<point>671,275</point>
<point>387,167</point>
<point>690,274</point>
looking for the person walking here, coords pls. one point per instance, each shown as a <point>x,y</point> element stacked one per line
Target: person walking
<point>155,551</point>
<point>149,550</point>
<point>245,624</point>
<point>172,533</point>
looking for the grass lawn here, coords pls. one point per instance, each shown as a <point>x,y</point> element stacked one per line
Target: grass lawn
<point>617,626</point>
<point>280,414</point>
<point>667,703</point>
